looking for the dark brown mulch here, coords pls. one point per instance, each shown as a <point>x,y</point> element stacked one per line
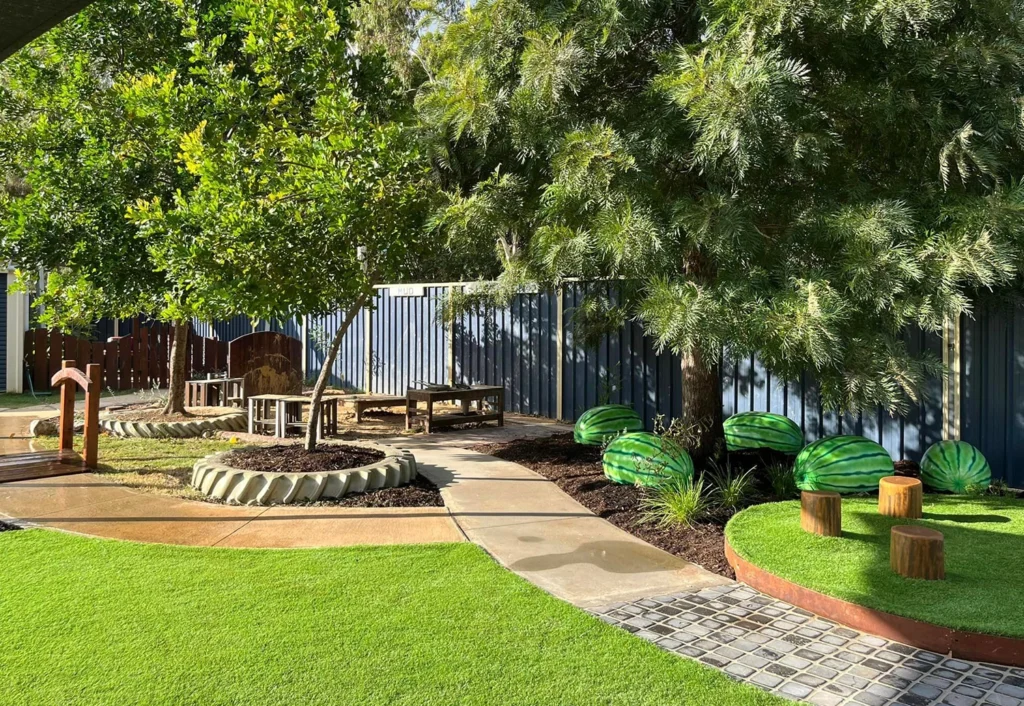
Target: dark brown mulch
<point>577,471</point>
<point>293,458</point>
<point>5,527</point>
<point>910,469</point>
<point>420,493</point>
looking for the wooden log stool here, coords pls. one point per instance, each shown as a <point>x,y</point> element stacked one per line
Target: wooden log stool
<point>917,552</point>
<point>821,512</point>
<point>900,497</point>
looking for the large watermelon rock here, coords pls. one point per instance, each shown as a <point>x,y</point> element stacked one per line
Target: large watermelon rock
<point>762,430</point>
<point>844,464</point>
<point>645,459</point>
<point>954,466</point>
<point>600,424</point>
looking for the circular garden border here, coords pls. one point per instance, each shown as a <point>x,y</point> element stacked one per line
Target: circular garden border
<point>215,478</point>
<point>231,421</point>
<point>926,636</point>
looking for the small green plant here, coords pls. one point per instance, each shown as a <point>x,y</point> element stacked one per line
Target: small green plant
<point>975,490</point>
<point>680,502</point>
<point>783,482</point>
<point>1001,489</point>
<point>732,490</point>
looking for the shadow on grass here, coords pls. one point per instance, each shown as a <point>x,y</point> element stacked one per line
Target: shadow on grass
<point>965,519</point>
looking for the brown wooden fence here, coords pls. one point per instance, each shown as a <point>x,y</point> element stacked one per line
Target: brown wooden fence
<point>138,361</point>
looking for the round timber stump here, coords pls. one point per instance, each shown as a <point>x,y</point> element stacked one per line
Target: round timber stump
<point>917,552</point>
<point>821,512</point>
<point>900,497</point>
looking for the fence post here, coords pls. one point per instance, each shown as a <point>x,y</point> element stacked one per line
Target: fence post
<point>951,379</point>
<point>304,335</point>
<point>368,348</point>
<point>451,341</point>
<point>559,351</point>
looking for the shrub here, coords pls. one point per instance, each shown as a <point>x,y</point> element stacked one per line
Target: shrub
<point>783,481</point>
<point>732,490</point>
<point>680,502</point>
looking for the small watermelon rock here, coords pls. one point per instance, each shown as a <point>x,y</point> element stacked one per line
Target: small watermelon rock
<point>600,424</point>
<point>844,464</point>
<point>642,458</point>
<point>762,430</point>
<point>954,466</point>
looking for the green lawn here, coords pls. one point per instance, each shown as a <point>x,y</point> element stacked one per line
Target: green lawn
<point>984,545</point>
<point>162,465</point>
<point>90,621</point>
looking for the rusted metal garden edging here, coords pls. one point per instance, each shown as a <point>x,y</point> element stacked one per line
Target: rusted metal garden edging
<point>935,638</point>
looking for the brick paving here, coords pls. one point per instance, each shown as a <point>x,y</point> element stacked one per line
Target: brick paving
<point>793,653</point>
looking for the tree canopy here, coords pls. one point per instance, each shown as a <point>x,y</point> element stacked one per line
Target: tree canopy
<point>799,179</point>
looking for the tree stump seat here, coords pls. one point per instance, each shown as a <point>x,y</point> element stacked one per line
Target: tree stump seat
<point>821,512</point>
<point>899,496</point>
<point>917,552</point>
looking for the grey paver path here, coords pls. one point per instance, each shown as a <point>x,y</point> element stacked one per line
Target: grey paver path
<point>771,644</point>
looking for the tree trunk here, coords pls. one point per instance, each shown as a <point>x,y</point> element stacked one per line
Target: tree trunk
<point>325,373</point>
<point>702,406</point>
<point>176,383</point>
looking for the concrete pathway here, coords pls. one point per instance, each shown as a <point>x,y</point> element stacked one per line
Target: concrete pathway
<point>777,647</point>
<point>530,526</point>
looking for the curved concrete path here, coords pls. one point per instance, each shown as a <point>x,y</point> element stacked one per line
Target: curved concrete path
<point>522,519</point>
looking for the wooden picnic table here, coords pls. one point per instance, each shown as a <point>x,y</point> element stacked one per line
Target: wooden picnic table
<point>465,396</point>
<point>282,413</point>
<point>214,392</point>
<point>361,403</point>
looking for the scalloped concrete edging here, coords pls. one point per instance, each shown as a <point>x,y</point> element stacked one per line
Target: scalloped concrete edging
<point>214,477</point>
<point>232,421</point>
<point>962,644</point>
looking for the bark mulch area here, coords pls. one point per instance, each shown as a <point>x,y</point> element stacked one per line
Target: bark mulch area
<point>420,493</point>
<point>577,471</point>
<point>149,413</point>
<point>293,458</point>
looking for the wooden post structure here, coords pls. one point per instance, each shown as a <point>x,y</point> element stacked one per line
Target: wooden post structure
<point>92,415</point>
<point>917,552</point>
<point>69,378</point>
<point>900,497</point>
<point>67,412</point>
<point>821,513</point>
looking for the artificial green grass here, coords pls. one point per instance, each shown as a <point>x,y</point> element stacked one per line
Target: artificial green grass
<point>89,621</point>
<point>161,465</point>
<point>984,544</point>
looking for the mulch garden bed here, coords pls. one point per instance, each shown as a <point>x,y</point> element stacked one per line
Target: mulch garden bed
<point>293,458</point>
<point>576,469</point>
<point>148,413</point>
<point>420,493</point>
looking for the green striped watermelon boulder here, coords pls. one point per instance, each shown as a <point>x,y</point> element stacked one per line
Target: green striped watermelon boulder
<point>844,464</point>
<point>600,424</point>
<point>642,458</point>
<point>954,466</point>
<point>762,430</point>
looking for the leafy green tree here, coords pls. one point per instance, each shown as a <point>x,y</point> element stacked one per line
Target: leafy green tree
<point>799,179</point>
<point>307,184</point>
<point>253,164</point>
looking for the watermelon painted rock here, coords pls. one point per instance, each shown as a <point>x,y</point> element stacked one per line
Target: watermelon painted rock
<point>762,430</point>
<point>642,458</point>
<point>600,424</point>
<point>954,466</point>
<point>844,464</point>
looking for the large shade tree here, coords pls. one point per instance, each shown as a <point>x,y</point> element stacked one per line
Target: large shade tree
<point>247,161</point>
<point>799,179</point>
